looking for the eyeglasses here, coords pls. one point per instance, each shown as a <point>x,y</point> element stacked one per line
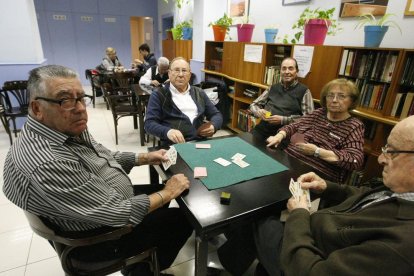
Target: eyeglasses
<point>389,153</point>
<point>338,96</point>
<point>177,71</point>
<point>69,103</point>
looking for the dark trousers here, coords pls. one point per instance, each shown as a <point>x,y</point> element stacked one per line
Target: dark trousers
<point>165,228</point>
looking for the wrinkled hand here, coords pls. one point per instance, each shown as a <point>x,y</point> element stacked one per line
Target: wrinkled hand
<point>261,113</point>
<point>274,140</point>
<point>176,185</point>
<point>207,132</point>
<point>175,136</point>
<point>312,182</point>
<point>155,157</point>
<point>274,120</point>
<point>293,203</point>
<point>155,83</point>
<point>306,148</point>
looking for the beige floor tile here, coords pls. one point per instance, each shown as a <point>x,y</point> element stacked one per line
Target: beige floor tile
<point>14,248</point>
<point>46,267</point>
<point>40,249</point>
<point>14,272</point>
<point>12,218</point>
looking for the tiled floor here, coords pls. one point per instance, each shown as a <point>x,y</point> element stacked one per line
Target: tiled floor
<point>23,253</point>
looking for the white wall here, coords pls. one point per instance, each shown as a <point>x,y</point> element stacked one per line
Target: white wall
<point>264,13</point>
<point>20,38</point>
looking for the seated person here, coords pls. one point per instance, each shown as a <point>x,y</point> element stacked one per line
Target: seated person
<point>286,101</point>
<point>176,112</point>
<point>363,232</point>
<point>149,58</point>
<point>332,140</point>
<point>56,170</point>
<point>156,75</point>
<point>111,62</point>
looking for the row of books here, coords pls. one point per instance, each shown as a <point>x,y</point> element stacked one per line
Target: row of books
<point>374,65</point>
<point>251,92</point>
<point>372,94</point>
<point>370,129</point>
<point>246,120</point>
<point>272,75</point>
<point>408,73</point>
<point>403,105</point>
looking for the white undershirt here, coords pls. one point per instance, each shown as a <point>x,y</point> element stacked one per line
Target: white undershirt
<point>184,102</point>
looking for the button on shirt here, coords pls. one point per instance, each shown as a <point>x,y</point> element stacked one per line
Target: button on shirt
<point>184,102</point>
<point>76,183</point>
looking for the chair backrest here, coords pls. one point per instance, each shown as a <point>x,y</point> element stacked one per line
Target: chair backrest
<point>16,96</point>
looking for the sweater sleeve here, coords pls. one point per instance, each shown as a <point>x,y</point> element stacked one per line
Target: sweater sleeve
<point>153,117</point>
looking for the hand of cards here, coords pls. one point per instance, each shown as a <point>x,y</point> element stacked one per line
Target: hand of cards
<point>172,158</point>
<point>297,191</point>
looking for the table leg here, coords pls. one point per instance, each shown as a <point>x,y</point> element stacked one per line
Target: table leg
<point>201,252</point>
<point>154,178</point>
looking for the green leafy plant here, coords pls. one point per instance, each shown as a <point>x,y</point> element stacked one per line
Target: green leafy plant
<point>369,19</point>
<point>224,21</point>
<point>306,15</point>
<point>179,3</point>
<point>186,24</point>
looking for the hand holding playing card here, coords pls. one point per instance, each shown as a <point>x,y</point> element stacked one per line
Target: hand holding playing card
<point>156,157</point>
<point>297,192</point>
<point>206,130</point>
<point>171,154</point>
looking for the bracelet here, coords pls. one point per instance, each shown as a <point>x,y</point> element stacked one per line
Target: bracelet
<point>162,198</point>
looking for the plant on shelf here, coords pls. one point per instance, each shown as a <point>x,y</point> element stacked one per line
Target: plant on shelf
<point>186,29</point>
<point>324,18</point>
<point>375,28</point>
<point>179,3</point>
<point>245,29</point>
<point>221,27</point>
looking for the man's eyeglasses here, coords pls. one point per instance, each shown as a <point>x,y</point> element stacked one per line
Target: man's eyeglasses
<point>338,96</point>
<point>177,71</point>
<point>68,103</point>
<point>389,154</point>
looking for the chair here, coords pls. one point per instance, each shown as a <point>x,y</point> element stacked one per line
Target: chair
<point>65,244</point>
<point>4,120</point>
<point>93,76</point>
<point>122,101</point>
<point>15,98</point>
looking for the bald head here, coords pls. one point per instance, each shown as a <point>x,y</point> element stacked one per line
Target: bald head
<point>403,133</point>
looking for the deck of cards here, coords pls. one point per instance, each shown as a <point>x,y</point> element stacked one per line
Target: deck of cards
<point>172,158</point>
<point>297,191</point>
<point>238,160</point>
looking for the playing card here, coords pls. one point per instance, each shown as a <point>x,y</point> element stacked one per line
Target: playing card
<point>222,161</point>
<point>297,191</point>
<point>172,158</point>
<point>297,138</point>
<point>238,156</point>
<point>203,146</point>
<point>241,163</point>
<point>200,172</point>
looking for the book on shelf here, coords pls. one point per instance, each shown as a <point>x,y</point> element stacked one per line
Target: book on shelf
<point>408,69</point>
<point>383,96</point>
<point>396,103</point>
<point>400,104</point>
<point>251,92</point>
<point>246,121</point>
<point>411,112</point>
<point>272,75</point>
<point>407,104</point>
<point>343,62</point>
<point>362,65</point>
<point>349,63</point>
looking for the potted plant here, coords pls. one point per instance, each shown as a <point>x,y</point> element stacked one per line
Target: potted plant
<point>169,35</point>
<point>187,29</point>
<point>221,27</point>
<point>177,32</point>
<point>245,30</point>
<point>271,33</point>
<point>315,25</point>
<point>375,29</point>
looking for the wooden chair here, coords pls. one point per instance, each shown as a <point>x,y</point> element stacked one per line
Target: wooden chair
<point>15,98</point>
<point>4,121</point>
<point>93,76</point>
<point>66,244</point>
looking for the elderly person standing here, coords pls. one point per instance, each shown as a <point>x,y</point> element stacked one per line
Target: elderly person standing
<point>178,112</point>
<point>111,62</point>
<point>156,75</point>
<point>331,140</point>
<point>282,103</point>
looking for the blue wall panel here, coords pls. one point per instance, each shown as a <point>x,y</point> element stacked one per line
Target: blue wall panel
<point>86,6</point>
<point>57,5</point>
<point>45,37</point>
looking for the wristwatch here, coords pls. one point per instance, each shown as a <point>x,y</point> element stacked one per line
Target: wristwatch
<point>316,153</point>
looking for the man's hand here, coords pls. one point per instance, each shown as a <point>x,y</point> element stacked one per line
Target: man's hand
<point>261,113</point>
<point>293,203</point>
<point>155,157</point>
<point>306,148</point>
<point>155,83</point>
<point>312,182</point>
<point>176,185</point>
<point>175,136</point>
<point>206,130</point>
<point>274,120</point>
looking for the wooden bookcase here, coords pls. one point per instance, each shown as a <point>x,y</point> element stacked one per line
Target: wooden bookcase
<point>177,48</point>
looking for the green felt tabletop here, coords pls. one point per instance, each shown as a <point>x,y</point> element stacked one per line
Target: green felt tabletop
<point>219,176</point>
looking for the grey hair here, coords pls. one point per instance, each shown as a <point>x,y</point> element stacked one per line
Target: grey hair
<point>163,61</point>
<point>40,75</point>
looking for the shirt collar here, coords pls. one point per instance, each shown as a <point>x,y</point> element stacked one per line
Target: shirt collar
<point>289,87</point>
<point>175,90</point>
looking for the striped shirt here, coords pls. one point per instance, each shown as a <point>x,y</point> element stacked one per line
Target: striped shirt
<point>345,138</point>
<point>306,105</point>
<point>77,184</point>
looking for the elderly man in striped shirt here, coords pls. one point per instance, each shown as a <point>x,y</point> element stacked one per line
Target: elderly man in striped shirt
<point>58,171</point>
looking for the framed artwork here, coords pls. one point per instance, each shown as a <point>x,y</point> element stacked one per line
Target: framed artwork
<point>409,8</point>
<point>353,8</point>
<point>293,2</point>
<point>237,10</point>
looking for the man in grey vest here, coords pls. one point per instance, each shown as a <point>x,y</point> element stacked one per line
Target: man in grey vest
<point>282,103</point>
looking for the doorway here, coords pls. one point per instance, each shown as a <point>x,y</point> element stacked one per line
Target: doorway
<point>167,23</point>
<point>142,31</point>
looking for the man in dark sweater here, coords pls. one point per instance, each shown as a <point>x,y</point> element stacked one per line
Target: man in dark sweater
<point>156,75</point>
<point>282,103</point>
<point>180,112</point>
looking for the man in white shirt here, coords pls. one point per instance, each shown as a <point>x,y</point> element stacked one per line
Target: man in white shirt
<point>156,75</point>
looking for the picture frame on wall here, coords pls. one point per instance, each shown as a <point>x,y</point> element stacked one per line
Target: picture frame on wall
<point>409,8</point>
<point>238,10</point>
<point>293,2</point>
<point>355,8</point>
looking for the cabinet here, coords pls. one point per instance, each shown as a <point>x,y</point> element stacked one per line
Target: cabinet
<point>177,48</point>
